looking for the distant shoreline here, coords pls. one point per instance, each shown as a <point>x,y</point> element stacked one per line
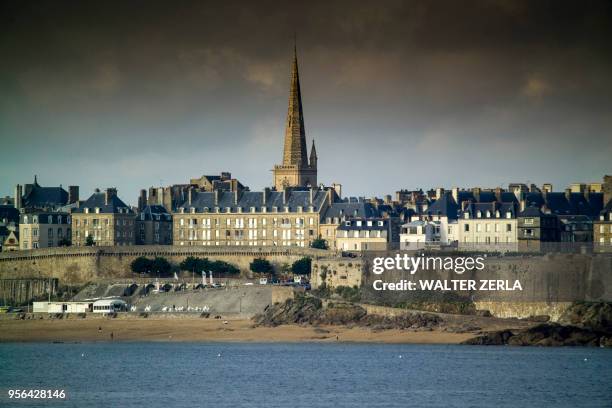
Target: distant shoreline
<point>207,330</point>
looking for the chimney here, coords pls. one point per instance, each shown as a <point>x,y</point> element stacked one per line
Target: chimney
<point>522,205</point>
<point>265,195</point>
<point>216,193</point>
<point>498,194</point>
<point>463,205</point>
<point>285,196</point>
<point>476,192</point>
<point>338,189</point>
<point>18,195</point>
<point>235,197</point>
<point>439,192</point>
<point>587,192</point>
<point>142,200</point>
<point>455,193</point>
<point>109,193</point>
<point>189,196</point>
<point>568,193</point>
<point>547,188</point>
<point>310,196</point>
<point>73,194</point>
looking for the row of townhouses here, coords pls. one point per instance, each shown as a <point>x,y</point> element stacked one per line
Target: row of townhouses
<point>219,210</point>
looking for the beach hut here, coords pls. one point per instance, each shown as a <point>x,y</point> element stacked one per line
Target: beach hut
<point>109,306</point>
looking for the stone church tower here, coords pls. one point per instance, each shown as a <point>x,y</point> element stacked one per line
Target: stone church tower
<point>297,170</point>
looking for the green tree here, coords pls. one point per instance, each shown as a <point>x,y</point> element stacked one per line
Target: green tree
<point>141,265</point>
<point>221,267</point>
<point>161,265</point>
<point>194,264</point>
<point>319,243</point>
<point>89,241</point>
<point>64,242</point>
<point>261,265</point>
<point>302,266</point>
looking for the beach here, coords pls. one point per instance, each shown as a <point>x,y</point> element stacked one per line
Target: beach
<point>206,330</point>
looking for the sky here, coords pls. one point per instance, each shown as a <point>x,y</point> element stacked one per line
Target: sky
<point>414,94</point>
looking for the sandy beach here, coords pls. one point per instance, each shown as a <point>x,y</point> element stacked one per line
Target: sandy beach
<point>238,330</point>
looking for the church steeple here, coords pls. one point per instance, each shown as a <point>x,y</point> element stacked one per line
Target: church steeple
<point>296,170</point>
<point>295,134</point>
<point>313,156</point>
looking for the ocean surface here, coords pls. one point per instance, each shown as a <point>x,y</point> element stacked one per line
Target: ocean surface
<point>305,375</point>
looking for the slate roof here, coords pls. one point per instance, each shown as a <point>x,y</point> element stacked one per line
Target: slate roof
<point>444,206</point>
<point>249,199</point>
<point>492,207</point>
<point>8,214</point>
<point>96,200</point>
<point>531,212</point>
<point>352,225</point>
<point>40,197</point>
<point>349,209</point>
<point>157,212</point>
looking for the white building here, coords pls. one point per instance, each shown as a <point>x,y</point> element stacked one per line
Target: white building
<point>418,234</point>
<point>109,306</point>
<point>488,227</point>
<point>62,307</point>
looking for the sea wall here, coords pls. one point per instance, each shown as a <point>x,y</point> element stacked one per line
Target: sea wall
<point>19,291</point>
<point>83,264</point>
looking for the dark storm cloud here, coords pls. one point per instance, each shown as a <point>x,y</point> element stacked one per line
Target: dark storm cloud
<point>423,93</point>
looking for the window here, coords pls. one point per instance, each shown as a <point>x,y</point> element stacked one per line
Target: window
<point>508,227</point>
<point>528,221</point>
<point>466,228</point>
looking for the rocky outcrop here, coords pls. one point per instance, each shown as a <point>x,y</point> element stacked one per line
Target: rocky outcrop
<point>310,310</point>
<point>593,315</point>
<point>548,334</point>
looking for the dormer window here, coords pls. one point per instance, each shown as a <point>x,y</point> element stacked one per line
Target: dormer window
<point>206,209</point>
<point>466,215</point>
<point>508,214</point>
<point>50,219</point>
<point>192,210</point>
<point>478,214</point>
<point>86,210</point>
<point>252,209</point>
<point>182,210</point>
<point>359,223</point>
<point>488,214</point>
<point>347,223</point>
<point>287,209</point>
<point>381,223</point>
<point>369,223</point>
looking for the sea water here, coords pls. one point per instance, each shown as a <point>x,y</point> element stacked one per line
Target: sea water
<point>336,375</point>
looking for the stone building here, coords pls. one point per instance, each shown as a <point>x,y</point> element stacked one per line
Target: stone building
<point>358,234</point>
<point>297,170</point>
<point>420,234</point>
<point>44,230</point>
<point>264,218</point>
<point>338,213</point>
<point>106,218</point>
<point>33,197</point>
<point>488,226</point>
<point>170,197</point>
<point>154,226</point>
<point>602,230</point>
<point>537,230</point>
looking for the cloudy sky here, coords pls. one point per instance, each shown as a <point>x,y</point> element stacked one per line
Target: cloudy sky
<point>404,95</point>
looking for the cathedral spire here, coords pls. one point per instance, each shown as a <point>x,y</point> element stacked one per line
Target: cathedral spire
<point>295,134</point>
<point>313,156</point>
